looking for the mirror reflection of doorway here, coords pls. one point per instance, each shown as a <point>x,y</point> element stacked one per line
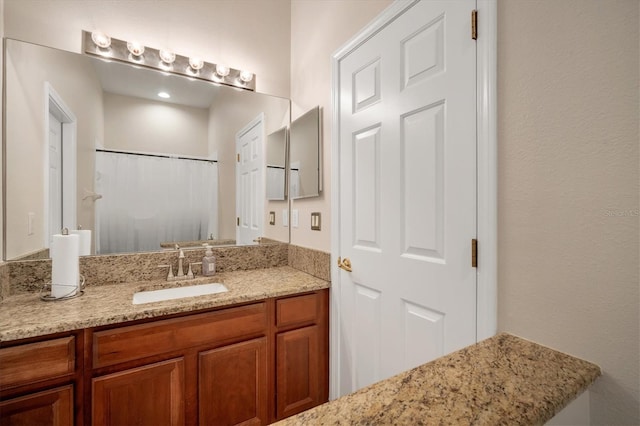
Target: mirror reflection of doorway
<point>61,141</point>
<point>55,174</point>
<point>250,190</point>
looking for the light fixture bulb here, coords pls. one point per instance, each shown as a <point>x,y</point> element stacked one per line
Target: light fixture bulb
<point>164,95</point>
<point>167,57</point>
<point>135,48</point>
<point>246,76</point>
<point>196,63</point>
<point>100,39</point>
<point>222,70</point>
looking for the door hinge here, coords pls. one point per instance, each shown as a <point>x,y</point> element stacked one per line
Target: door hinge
<point>237,221</point>
<point>474,253</point>
<point>474,24</point>
<point>238,157</point>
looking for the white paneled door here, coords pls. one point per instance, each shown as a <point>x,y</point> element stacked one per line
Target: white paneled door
<point>407,173</point>
<point>250,192</point>
<point>55,177</point>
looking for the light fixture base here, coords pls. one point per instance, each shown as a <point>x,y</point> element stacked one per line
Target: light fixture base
<point>151,59</point>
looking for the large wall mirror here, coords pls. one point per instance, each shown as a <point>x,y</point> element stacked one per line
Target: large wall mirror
<point>142,158</point>
<point>277,148</point>
<point>305,155</point>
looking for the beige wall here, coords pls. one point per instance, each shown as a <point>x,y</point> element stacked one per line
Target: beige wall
<point>74,79</point>
<point>318,29</point>
<point>568,84</point>
<point>568,151</point>
<point>244,34</point>
<point>136,124</point>
<point>1,132</point>
<point>227,117</point>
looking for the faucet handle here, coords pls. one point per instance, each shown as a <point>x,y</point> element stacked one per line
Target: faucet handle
<point>170,274</point>
<point>190,273</point>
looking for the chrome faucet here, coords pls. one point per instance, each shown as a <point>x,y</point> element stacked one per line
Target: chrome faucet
<point>180,273</point>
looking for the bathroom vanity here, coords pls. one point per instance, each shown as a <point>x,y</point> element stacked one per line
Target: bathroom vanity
<point>253,355</point>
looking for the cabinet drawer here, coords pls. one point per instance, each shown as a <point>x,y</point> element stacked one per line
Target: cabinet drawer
<point>297,310</point>
<point>33,362</point>
<point>51,407</point>
<point>123,344</point>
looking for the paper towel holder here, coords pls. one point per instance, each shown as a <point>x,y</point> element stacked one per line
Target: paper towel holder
<point>45,292</point>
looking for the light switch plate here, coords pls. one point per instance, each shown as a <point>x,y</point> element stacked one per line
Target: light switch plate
<point>315,221</point>
<point>285,217</point>
<point>294,218</point>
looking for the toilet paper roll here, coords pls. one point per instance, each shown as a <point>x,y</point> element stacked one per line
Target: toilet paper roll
<point>85,240</point>
<point>65,267</point>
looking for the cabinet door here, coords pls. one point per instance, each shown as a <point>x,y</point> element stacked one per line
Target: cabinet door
<point>53,407</point>
<point>232,384</point>
<point>298,371</point>
<point>149,395</point>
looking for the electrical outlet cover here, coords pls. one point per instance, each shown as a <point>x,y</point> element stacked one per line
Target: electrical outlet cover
<point>294,218</point>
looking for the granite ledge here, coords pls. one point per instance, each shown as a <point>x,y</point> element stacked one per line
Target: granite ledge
<point>504,380</point>
<point>25,315</point>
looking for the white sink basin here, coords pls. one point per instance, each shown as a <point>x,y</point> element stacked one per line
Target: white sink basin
<point>177,293</point>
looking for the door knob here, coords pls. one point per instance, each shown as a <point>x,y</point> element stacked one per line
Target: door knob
<point>344,264</point>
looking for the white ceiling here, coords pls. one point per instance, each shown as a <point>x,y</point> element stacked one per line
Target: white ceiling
<point>129,80</point>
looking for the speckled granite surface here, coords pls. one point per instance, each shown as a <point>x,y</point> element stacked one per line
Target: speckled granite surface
<point>25,315</point>
<point>4,280</point>
<point>504,380</point>
<point>29,276</point>
<point>36,255</point>
<point>314,262</point>
<point>198,243</point>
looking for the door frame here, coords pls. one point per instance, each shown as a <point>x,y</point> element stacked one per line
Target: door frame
<point>53,103</point>
<point>258,121</point>
<point>487,172</point>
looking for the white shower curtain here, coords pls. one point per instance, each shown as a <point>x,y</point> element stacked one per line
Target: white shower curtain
<point>148,200</point>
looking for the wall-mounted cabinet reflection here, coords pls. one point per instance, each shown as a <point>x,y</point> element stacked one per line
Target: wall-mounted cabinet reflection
<point>305,178</point>
<point>277,165</point>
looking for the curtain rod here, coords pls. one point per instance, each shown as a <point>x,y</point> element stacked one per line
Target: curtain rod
<point>154,155</point>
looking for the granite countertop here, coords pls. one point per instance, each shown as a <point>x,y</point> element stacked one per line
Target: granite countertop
<point>504,380</point>
<point>25,315</point>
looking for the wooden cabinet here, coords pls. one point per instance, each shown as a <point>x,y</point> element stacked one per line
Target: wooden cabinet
<point>298,364</point>
<point>149,395</point>
<point>37,382</point>
<point>242,365</point>
<point>208,368</point>
<point>38,361</point>
<point>51,407</point>
<point>233,384</point>
<point>302,353</point>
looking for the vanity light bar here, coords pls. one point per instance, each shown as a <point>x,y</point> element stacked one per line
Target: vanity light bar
<point>118,50</point>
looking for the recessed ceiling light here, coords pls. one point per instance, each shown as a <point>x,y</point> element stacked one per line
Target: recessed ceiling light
<point>164,95</point>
